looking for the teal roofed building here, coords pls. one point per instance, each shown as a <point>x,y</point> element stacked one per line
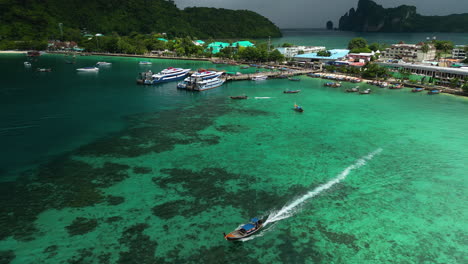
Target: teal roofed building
<point>242,44</point>
<point>163,39</point>
<point>216,47</point>
<point>200,42</point>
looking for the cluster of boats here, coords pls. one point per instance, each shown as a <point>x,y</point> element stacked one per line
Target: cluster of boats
<point>357,90</point>
<point>198,81</point>
<point>335,77</point>
<point>94,68</point>
<point>202,80</point>
<point>332,84</point>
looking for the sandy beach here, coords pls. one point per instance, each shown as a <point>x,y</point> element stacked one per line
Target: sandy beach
<point>12,51</point>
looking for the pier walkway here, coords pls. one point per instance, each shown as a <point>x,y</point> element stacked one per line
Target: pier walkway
<point>269,74</point>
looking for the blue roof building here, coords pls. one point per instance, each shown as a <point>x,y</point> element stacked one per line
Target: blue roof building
<point>336,54</point>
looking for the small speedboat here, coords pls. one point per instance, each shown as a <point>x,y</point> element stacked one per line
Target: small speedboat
<point>145,63</point>
<point>88,69</point>
<point>298,108</point>
<point>291,91</point>
<point>366,91</point>
<point>239,97</point>
<point>103,63</point>
<point>27,64</point>
<point>44,69</point>
<point>434,92</point>
<point>416,90</point>
<point>245,230</point>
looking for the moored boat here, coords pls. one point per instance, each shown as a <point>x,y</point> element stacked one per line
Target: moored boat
<point>103,63</point>
<point>88,69</point>
<point>367,91</point>
<point>209,84</point>
<point>169,74</point>
<point>27,64</point>
<point>33,53</point>
<point>291,91</point>
<point>395,86</point>
<point>259,78</point>
<point>145,63</point>
<point>294,79</point>
<point>239,97</point>
<point>245,230</point>
<point>44,69</point>
<point>416,90</point>
<point>435,91</point>
<point>332,84</point>
<point>352,90</point>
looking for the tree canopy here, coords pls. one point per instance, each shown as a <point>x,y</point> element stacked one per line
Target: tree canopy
<point>68,20</point>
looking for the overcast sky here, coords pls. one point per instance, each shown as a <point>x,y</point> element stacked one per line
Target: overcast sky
<point>315,13</point>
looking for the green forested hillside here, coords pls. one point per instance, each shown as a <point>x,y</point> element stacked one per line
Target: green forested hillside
<point>39,19</point>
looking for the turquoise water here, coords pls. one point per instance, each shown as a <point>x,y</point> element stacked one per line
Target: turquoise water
<point>96,169</point>
<point>340,39</point>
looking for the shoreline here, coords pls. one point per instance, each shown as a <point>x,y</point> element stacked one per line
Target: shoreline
<point>12,52</point>
<point>447,90</point>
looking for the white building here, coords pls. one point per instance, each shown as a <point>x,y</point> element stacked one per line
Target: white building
<point>290,52</point>
<point>459,52</point>
<point>409,52</point>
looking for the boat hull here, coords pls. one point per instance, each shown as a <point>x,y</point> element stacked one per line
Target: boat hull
<point>171,78</point>
<point>236,235</point>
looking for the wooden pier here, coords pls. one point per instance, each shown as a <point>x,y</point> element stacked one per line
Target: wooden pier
<point>269,74</point>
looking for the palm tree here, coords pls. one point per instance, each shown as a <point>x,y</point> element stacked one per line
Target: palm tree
<point>425,50</point>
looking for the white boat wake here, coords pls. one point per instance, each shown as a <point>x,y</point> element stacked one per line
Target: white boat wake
<point>289,210</point>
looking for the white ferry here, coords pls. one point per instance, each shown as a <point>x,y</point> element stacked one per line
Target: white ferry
<point>209,84</point>
<point>169,74</point>
<point>197,77</point>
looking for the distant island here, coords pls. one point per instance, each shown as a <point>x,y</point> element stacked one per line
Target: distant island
<point>58,19</point>
<point>371,17</point>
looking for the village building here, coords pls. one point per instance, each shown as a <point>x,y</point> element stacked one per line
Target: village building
<point>290,52</point>
<point>443,74</point>
<point>409,52</point>
<point>459,52</point>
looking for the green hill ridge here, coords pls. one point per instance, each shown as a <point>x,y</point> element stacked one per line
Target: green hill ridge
<point>371,17</point>
<point>39,19</point>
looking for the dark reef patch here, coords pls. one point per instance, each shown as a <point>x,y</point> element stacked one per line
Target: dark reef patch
<point>231,128</point>
<point>142,170</point>
<point>289,253</point>
<point>113,219</point>
<point>51,251</point>
<point>114,200</point>
<point>7,256</point>
<point>340,238</point>
<point>206,187</point>
<point>81,225</point>
<point>84,256</point>
<point>141,250</point>
<point>61,183</point>
<point>66,182</point>
<point>156,132</point>
<point>217,254</point>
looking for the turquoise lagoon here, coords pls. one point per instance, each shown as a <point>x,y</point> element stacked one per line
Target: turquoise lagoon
<point>96,169</point>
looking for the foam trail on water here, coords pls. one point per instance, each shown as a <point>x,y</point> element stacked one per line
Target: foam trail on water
<point>288,210</point>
